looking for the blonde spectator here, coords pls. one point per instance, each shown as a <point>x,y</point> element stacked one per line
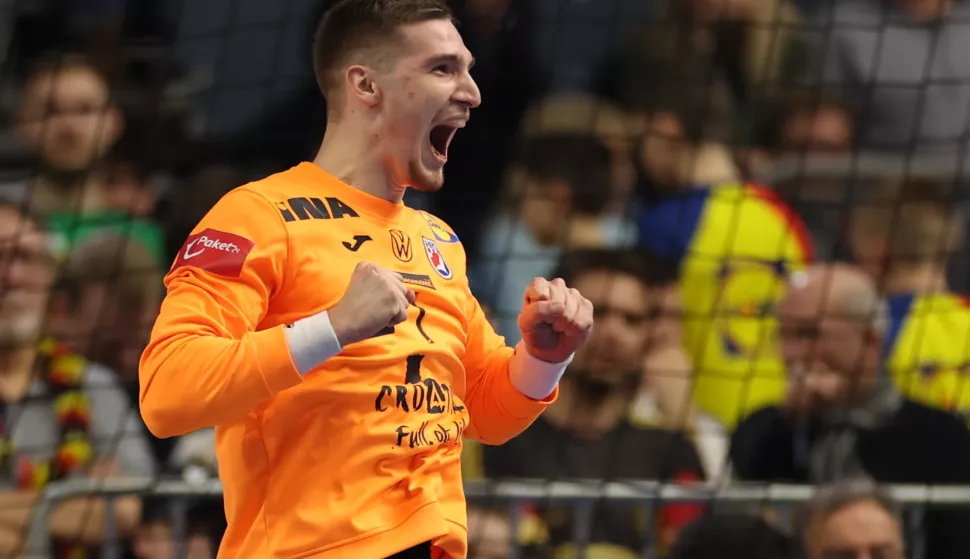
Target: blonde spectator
<point>110,292</point>
<point>65,416</point>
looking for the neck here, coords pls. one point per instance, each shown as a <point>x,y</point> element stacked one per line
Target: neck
<point>75,192</point>
<point>16,371</point>
<point>585,415</point>
<point>354,158</point>
<point>914,279</point>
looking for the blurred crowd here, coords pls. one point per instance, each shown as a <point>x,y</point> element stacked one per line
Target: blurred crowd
<point>798,331</point>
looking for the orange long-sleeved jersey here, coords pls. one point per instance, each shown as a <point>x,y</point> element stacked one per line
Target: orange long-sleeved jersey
<point>359,458</point>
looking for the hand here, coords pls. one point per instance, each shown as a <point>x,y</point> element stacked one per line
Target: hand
<point>810,391</point>
<point>376,298</point>
<point>555,320</point>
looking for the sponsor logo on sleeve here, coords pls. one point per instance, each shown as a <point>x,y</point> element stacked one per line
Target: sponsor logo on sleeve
<point>436,259</point>
<point>440,232</point>
<point>215,251</point>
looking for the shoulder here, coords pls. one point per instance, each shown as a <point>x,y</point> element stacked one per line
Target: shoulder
<point>913,414</point>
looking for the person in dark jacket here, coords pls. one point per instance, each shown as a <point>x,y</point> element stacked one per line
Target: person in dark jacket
<point>842,417</point>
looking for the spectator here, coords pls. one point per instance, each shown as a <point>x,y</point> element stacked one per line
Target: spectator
<point>733,536</point>
<point>904,233</point>
<point>852,519</point>
<point>566,189</point>
<point>70,125</point>
<point>683,132</point>
<point>904,62</point>
<point>155,539</point>
<point>111,290</point>
<point>810,123</point>
<point>842,418</point>
<point>63,416</point>
<point>735,244</point>
<point>584,114</point>
<point>586,433</point>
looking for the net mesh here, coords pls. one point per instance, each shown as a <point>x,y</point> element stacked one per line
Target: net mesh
<point>680,162</point>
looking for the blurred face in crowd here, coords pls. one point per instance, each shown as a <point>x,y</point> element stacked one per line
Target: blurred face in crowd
<point>421,102</point>
<point>831,355</point>
<point>862,530</point>
<point>623,307</point>
<point>114,332</point>
<point>154,541</point>
<point>28,273</point>
<point>66,118</point>
<point>826,130</point>
<point>665,152</point>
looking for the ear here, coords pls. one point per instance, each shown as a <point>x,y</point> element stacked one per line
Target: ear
<point>360,82</point>
<point>113,126</point>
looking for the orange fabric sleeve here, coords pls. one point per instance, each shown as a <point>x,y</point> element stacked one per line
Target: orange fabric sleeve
<point>207,362</point>
<point>497,409</point>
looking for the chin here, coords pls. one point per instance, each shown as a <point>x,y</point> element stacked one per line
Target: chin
<point>427,180</point>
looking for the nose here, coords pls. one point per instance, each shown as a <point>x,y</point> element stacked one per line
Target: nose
<point>468,93</point>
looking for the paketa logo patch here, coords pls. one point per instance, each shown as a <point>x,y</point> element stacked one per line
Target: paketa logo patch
<point>215,251</point>
<point>436,259</point>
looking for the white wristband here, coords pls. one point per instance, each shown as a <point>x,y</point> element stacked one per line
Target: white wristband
<point>311,341</point>
<point>533,377</point>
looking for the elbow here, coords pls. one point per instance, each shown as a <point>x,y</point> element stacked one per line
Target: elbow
<point>165,416</point>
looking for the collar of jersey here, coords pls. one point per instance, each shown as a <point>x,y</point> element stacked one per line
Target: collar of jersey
<point>362,202</point>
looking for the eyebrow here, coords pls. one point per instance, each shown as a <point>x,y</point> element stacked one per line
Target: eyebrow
<point>450,58</point>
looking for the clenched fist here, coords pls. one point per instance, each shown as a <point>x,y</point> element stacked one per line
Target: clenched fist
<point>376,298</point>
<point>555,320</point>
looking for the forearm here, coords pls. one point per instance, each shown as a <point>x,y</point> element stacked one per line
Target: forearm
<point>190,381</point>
<point>85,518</point>
<point>510,393</point>
<point>73,518</point>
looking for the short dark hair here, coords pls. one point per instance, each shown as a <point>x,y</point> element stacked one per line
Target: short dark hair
<point>649,269</point>
<point>769,126</point>
<point>724,535</point>
<point>352,26</point>
<point>580,160</point>
<point>55,62</point>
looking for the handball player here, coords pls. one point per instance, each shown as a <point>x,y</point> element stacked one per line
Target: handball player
<point>328,331</point>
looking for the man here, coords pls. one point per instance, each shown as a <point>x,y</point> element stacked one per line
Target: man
<point>904,235</point>
<point>70,126</point>
<point>586,433</point>
<point>61,416</point>
<point>842,418</point>
<point>563,188</point>
<point>340,388</point>
<point>852,519</point>
<point>897,61</point>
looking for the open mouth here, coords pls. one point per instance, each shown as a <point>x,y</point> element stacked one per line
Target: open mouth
<point>440,138</point>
